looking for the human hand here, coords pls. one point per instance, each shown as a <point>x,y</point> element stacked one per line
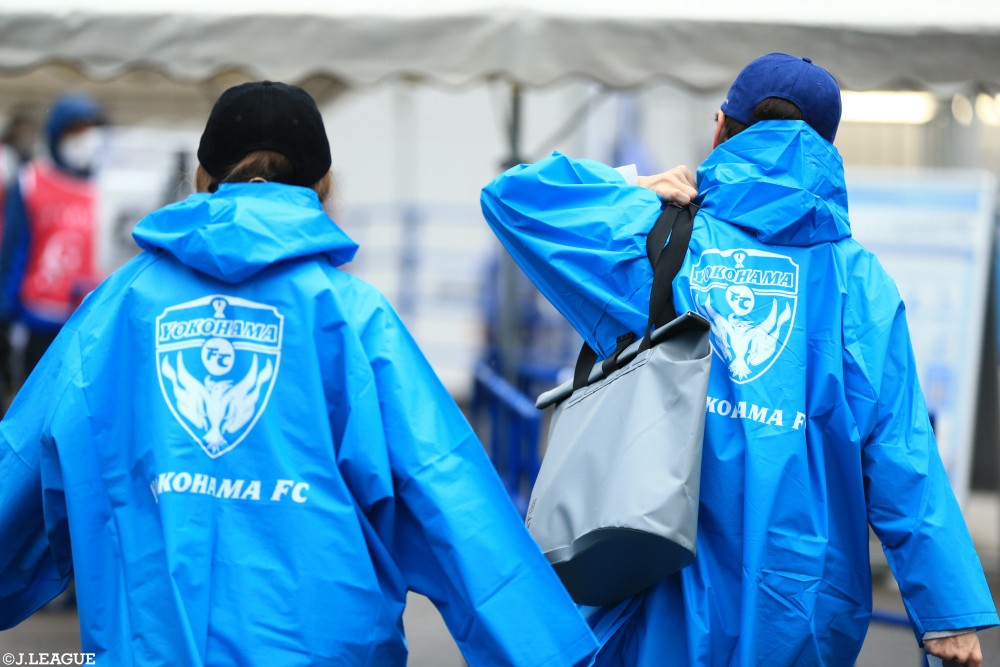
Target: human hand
<point>676,185</point>
<point>957,650</point>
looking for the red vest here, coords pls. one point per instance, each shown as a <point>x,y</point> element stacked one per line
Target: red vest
<point>62,225</point>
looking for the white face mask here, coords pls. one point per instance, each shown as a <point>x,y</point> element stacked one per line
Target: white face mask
<point>80,150</point>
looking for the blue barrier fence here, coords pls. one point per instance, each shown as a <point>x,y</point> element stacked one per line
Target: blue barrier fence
<point>510,428</point>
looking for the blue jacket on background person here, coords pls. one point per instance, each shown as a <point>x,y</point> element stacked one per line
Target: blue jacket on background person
<point>816,426</point>
<point>243,457</point>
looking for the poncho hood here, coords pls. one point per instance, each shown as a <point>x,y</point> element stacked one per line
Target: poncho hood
<point>781,181</point>
<point>244,227</point>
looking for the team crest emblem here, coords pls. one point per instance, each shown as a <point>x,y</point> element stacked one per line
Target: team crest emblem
<point>749,297</point>
<point>217,359</point>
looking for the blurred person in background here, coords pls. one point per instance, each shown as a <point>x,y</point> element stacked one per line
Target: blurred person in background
<point>242,454</point>
<point>48,252</point>
<point>17,142</point>
<point>20,133</point>
<point>816,426</point>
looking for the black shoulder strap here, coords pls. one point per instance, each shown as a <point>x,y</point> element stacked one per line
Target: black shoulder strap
<point>676,223</point>
<point>587,358</point>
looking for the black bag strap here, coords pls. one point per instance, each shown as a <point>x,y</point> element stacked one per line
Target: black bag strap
<point>676,223</point>
<point>587,358</point>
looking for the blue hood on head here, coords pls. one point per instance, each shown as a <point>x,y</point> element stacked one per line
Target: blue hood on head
<point>243,228</point>
<point>70,109</point>
<point>781,181</point>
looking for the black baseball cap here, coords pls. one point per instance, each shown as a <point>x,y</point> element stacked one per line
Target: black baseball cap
<point>266,115</point>
<point>800,81</point>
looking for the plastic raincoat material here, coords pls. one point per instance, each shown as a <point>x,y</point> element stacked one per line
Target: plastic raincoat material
<point>245,460</point>
<point>815,422</point>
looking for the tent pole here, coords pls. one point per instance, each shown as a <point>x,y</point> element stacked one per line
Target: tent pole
<point>514,127</point>
<point>509,332</point>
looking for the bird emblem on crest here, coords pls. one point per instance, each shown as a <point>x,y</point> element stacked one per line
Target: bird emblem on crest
<point>749,297</point>
<point>746,344</point>
<point>218,360</point>
<point>218,407</point>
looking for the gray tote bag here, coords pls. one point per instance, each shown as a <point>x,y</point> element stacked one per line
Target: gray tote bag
<point>615,504</point>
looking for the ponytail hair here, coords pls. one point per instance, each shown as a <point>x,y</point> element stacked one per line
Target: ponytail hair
<point>259,166</point>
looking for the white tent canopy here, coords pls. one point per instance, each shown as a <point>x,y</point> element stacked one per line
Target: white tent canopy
<point>700,46</point>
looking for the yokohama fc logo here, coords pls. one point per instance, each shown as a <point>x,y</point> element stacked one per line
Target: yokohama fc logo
<point>217,359</point>
<point>749,296</point>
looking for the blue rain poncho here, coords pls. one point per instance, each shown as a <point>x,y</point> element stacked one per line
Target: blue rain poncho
<point>245,460</point>
<point>815,426</point>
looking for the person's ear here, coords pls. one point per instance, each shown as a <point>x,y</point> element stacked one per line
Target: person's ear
<point>720,118</point>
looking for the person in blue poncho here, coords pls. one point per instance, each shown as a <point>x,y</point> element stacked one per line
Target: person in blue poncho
<point>243,457</point>
<point>816,426</point>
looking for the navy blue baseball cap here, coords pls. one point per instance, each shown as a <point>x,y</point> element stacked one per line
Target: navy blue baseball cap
<point>798,80</point>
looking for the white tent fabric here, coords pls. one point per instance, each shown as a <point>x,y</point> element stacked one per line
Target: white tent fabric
<point>867,43</point>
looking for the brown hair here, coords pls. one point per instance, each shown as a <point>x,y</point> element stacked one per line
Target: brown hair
<point>771,108</point>
<point>259,165</point>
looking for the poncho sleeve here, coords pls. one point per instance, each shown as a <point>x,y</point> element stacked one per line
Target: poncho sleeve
<point>578,230</point>
<point>35,558</point>
<point>457,537</point>
<point>911,505</point>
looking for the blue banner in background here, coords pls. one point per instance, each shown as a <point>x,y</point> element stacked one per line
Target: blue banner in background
<point>933,231</point>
